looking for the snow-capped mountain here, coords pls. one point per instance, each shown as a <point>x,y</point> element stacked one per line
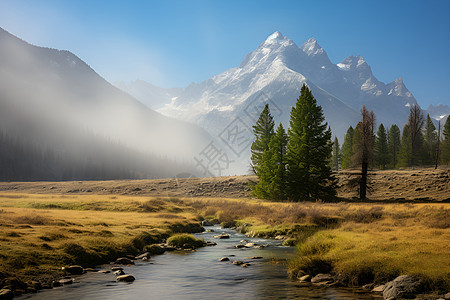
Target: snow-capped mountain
<point>278,68</point>
<point>274,73</point>
<point>438,112</point>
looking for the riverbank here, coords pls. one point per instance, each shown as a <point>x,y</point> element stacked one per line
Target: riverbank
<point>360,244</point>
<point>47,225</point>
<point>40,234</point>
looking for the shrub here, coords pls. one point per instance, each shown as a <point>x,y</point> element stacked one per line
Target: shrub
<point>186,228</point>
<point>228,224</point>
<point>185,241</point>
<point>143,239</point>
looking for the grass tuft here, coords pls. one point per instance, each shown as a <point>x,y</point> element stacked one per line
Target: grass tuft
<point>185,241</point>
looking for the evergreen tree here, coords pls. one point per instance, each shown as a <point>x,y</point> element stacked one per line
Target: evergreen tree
<point>336,155</point>
<point>430,141</point>
<point>309,151</point>
<point>265,175</point>
<point>263,130</point>
<point>445,146</point>
<point>405,149</point>
<point>381,148</point>
<point>347,148</point>
<point>394,145</point>
<point>278,148</point>
<point>272,174</point>
<point>437,157</point>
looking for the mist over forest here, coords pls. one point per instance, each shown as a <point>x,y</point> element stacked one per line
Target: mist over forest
<point>59,120</point>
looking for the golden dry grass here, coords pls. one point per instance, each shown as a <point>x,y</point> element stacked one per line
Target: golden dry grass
<point>362,242</point>
<point>41,233</point>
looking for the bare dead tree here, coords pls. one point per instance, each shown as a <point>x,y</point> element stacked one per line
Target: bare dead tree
<point>364,148</point>
<point>415,122</point>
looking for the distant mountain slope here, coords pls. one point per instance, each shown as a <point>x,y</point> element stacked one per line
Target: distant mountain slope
<point>52,99</point>
<point>438,112</point>
<point>149,94</point>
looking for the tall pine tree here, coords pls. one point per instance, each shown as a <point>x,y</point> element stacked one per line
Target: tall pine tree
<point>394,145</point>
<point>347,149</point>
<point>405,149</point>
<point>336,155</point>
<point>272,171</point>
<point>309,151</point>
<point>430,142</point>
<point>265,174</point>
<point>278,149</point>
<point>381,148</point>
<point>263,130</point>
<point>445,146</point>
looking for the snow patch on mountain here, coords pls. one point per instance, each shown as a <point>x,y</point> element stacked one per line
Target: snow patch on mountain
<point>312,48</point>
<point>438,112</point>
<point>398,88</point>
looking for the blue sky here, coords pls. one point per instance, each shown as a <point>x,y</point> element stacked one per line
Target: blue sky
<point>174,43</point>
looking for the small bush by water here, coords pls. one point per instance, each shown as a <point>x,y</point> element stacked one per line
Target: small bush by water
<point>185,241</point>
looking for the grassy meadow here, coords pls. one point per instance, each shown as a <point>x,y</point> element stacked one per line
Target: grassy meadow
<point>41,233</point>
<point>362,242</point>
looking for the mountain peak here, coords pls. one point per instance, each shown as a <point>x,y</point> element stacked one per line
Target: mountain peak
<point>399,81</point>
<point>353,62</point>
<point>311,47</point>
<point>274,38</point>
<point>275,46</point>
<point>398,88</point>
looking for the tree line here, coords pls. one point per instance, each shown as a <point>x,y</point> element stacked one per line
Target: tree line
<point>300,164</point>
<point>419,144</point>
<point>90,158</point>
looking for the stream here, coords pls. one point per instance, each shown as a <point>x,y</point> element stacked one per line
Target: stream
<point>199,275</point>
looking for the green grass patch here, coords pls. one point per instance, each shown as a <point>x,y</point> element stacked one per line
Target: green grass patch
<point>185,241</point>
